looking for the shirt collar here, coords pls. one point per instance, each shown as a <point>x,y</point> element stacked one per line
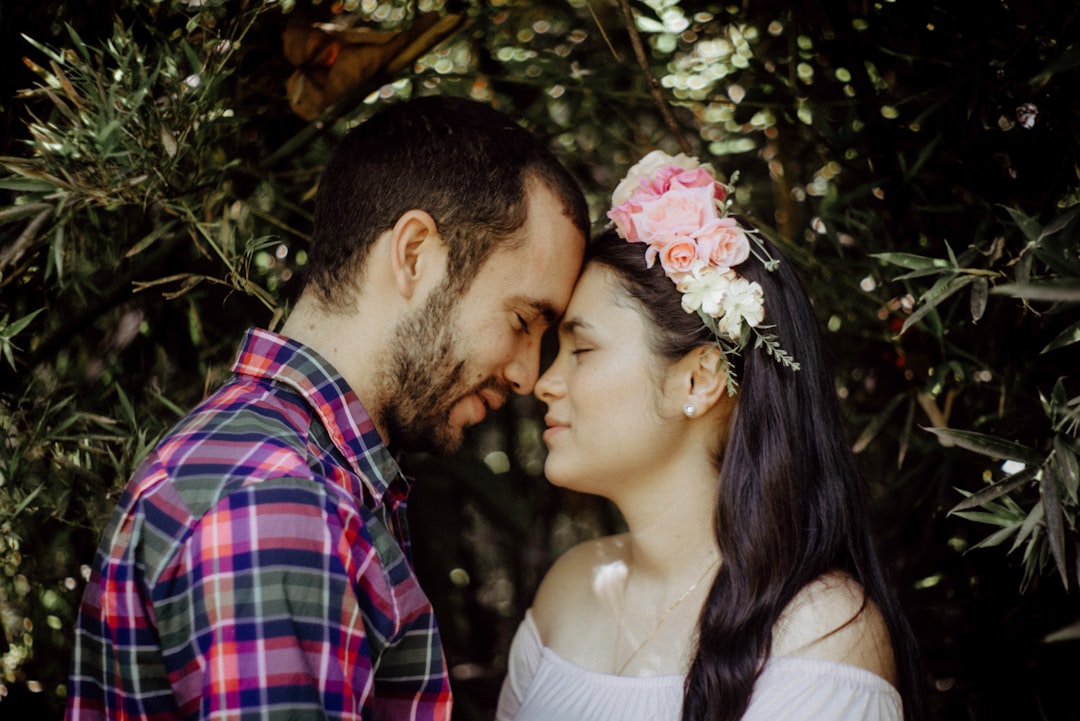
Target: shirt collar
<point>264,354</point>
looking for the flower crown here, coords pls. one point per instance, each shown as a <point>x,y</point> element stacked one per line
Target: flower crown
<point>679,210</point>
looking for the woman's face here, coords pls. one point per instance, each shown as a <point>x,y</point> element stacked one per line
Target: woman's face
<point>607,421</point>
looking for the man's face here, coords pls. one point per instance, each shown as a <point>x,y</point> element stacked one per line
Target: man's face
<point>460,355</point>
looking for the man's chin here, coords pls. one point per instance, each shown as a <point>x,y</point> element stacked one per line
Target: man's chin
<point>443,442</point>
<point>446,443</point>
<point>442,435</point>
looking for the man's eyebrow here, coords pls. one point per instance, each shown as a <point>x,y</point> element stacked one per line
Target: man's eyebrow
<point>541,308</point>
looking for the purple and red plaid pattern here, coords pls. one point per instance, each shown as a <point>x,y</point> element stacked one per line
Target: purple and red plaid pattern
<point>257,565</point>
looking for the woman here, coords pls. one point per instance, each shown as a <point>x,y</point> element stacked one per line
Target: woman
<point>690,390</point>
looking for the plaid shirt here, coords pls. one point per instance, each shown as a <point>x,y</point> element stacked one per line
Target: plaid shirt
<point>257,567</point>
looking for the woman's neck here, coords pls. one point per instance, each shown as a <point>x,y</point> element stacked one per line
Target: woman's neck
<point>670,522</point>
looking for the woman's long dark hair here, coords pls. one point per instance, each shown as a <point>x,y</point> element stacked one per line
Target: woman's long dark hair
<point>791,505</point>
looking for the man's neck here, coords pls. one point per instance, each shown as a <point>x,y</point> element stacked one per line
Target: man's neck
<point>352,342</point>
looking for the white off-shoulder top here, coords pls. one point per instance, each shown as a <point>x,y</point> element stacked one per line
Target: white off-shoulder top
<point>541,686</point>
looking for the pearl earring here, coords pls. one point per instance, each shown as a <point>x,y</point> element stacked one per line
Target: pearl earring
<point>689,410</point>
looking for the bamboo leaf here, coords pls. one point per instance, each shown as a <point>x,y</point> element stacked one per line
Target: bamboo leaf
<point>1034,559</point>
<point>1036,515</point>
<point>11,253</point>
<point>912,261</point>
<point>1068,467</point>
<point>1027,225</point>
<point>1058,394</point>
<point>173,408</point>
<point>24,185</point>
<point>1067,633</point>
<point>1066,61</point>
<point>24,503</point>
<point>1056,400</point>
<point>936,295</point>
<point>944,287</point>
<point>1071,444</point>
<point>989,445</point>
<point>57,245</point>
<point>1059,290</point>
<point>997,490</point>
<point>1059,257</point>
<point>146,242</point>
<point>168,142</point>
<point>45,49</point>
<point>125,404</point>
<point>922,273</point>
<point>980,291</point>
<point>925,154</point>
<point>1055,526</point>
<point>876,424</point>
<point>998,537</point>
<point>905,434</point>
<point>952,256</point>
<point>1058,224</point>
<point>77,41</point>
<point>1067,337</point>
<point>1023,267</point>
<point>992,519</point>
<point>15,327</point>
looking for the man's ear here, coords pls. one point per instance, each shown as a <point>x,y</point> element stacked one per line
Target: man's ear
<point>417,253</point>
<point>703,379</point>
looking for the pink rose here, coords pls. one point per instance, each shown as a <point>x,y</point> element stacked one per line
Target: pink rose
<point>677,254</point>
<point>658,183</point>
<point>697,178</point>
<point>623,217</point>
<point>723,243</point>
<point>644,169</point>
<point>674,178</point>
<point>676,212</point>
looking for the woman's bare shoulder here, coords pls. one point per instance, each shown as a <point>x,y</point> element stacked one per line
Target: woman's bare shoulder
<point>578,581</point>
<point>832,619</point>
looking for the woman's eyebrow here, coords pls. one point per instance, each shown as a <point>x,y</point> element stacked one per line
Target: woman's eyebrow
<point>572,325</point>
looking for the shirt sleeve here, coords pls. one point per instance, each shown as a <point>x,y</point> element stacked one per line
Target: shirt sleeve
<point>273,606</point>
<point>797,689</point>
<point>525,653</point>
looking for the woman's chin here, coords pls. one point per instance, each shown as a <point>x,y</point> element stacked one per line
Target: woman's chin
<point>572,480</point>
<point>557,476</point>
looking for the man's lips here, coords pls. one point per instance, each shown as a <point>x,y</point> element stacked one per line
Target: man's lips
<point>492,398</point>
<point>480,401</point>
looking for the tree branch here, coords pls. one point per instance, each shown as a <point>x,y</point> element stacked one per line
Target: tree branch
<point>654,85</point>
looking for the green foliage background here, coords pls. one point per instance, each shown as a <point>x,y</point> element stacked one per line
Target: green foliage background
<point>917,160</point>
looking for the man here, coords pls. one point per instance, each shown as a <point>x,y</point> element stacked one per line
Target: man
<point>257,564</point>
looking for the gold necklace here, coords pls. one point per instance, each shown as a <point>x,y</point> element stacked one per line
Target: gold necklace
<point>659,623</point>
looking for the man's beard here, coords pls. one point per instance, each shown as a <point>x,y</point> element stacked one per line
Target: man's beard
<point>423,378</point>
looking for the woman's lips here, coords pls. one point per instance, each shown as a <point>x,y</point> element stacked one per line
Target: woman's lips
<point>553,428</point>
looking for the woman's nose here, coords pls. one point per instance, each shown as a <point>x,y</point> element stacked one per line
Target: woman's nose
<point>550,385</point>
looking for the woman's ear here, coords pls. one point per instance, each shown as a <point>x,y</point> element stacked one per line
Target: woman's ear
<point>704,381</point>
<point>417,253</point>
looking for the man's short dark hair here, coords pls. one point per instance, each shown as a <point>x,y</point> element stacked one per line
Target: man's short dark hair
<point>461,161</point>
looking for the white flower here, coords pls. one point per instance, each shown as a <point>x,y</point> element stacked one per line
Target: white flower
<point>704,288</point>
<point>743,301</point>
<point>644,168</point>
